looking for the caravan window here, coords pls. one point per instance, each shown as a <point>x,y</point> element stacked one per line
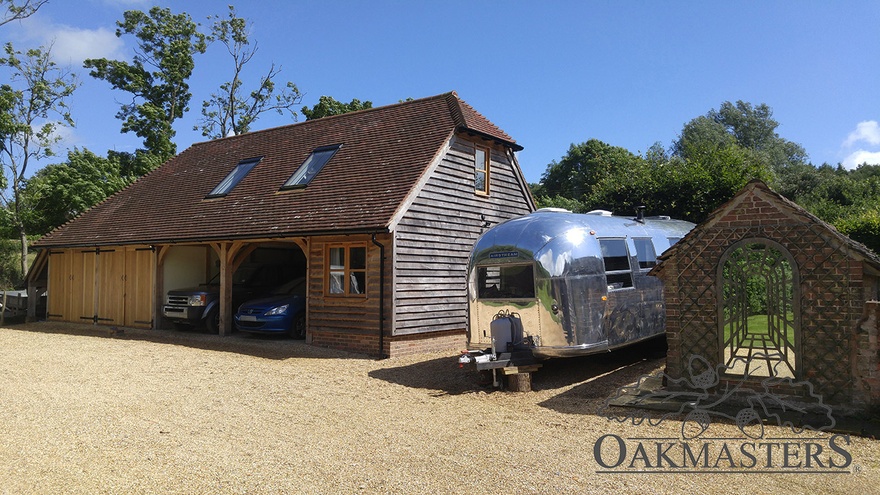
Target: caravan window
<point>645,253</point>
<point>506,282</point>
<point>615,254</point>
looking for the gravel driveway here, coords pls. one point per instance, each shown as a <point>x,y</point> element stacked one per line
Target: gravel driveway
<point>84,411</point>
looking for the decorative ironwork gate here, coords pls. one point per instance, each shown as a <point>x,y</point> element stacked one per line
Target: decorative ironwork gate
<point>758,309</point>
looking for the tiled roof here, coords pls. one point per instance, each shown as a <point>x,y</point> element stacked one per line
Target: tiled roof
<point>796,213</point>
<point>384,153</point>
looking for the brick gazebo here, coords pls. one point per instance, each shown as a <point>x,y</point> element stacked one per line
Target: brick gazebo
<point>763,289</point>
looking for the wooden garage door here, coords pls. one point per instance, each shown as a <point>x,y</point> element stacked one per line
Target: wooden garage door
<point>139,287</point>
<point>110,287</point>
<point>82,290</point>
<point>107,286</point>
<point>58,304</point>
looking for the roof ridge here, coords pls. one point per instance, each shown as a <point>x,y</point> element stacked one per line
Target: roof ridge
<point>467,117</point>
<point>365,110</point>
<point>454,103</point>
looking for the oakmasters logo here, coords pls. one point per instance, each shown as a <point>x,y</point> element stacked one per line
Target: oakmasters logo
<point>748,403</point>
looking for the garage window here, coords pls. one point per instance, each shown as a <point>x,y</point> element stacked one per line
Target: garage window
<point>481,170</point>
<point>347,270</point>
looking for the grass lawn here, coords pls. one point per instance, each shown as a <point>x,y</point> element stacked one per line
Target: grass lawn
<point>757,325</point>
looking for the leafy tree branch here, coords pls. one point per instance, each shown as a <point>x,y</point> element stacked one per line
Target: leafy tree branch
<point>228,111</point>
<point>13,12</point>
<point>34,107</point>
<point>156,77</point>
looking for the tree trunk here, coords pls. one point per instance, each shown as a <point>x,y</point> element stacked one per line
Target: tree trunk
<point>24,251</point>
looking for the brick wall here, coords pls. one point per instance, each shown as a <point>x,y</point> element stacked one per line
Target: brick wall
<point>404,345</point>
<point>363,343</point>
<point>837,328</point>
<point>866,362</point>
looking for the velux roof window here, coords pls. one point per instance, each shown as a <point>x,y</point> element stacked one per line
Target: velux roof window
<point>310,168</point>
<point>234,177</point>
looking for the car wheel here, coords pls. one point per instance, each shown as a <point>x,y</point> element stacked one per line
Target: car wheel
<point>298,327</point>
<point>212,321</point>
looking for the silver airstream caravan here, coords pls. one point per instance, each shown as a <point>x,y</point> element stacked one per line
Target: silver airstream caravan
<point>567,284</point>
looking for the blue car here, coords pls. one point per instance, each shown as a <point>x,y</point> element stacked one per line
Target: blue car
<point>282,312</point>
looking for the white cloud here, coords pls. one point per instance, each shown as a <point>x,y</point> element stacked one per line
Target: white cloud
<point>860,146</point>
<point>72,45</point>
<point>75,45</point>
<point>867,131</point>
<point>65,136</point>
<point>861,156</point>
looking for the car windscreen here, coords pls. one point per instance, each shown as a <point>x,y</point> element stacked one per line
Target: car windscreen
<point>294,287</point>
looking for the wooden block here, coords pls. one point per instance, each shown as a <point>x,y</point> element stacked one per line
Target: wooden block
<point>512,370</point>
<point>519,382</point>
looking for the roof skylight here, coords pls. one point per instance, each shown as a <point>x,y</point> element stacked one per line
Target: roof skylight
<point>234,177</point>
<point>310,168</point>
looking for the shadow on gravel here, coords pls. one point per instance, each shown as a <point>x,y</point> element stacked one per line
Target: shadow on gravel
<point>268,347</point>
<point>597,377</point>
<point>441,374</point>
<point>602,374</point>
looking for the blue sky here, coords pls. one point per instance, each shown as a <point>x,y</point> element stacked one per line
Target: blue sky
<point>550,74</point>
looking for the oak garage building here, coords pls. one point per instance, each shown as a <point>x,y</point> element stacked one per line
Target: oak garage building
<point>377,208</point>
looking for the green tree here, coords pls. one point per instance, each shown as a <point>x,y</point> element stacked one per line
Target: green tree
<point>691,189</point>
<point>10,276</point>
<point>710,168</point>
<point>36,103</point>
<point>585,165</point>
<point>847,199</point>
<point>799,180</point>
<point>751,127</point>
<point>13,12</point>
<point>839,194</point>
<point>863,227</point>
<point>328,106</point>
<point>58,193</point>
<point>229,110</point>
<point>700,137</point>
<point>157,76</point>
<point>560,202</point>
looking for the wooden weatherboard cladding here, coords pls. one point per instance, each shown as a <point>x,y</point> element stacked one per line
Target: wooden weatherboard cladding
<point>331,314</point>
<point>434,238</point>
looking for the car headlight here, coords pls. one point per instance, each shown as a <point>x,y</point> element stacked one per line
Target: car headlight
<point>198,300</point>
<point>280,310</point>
